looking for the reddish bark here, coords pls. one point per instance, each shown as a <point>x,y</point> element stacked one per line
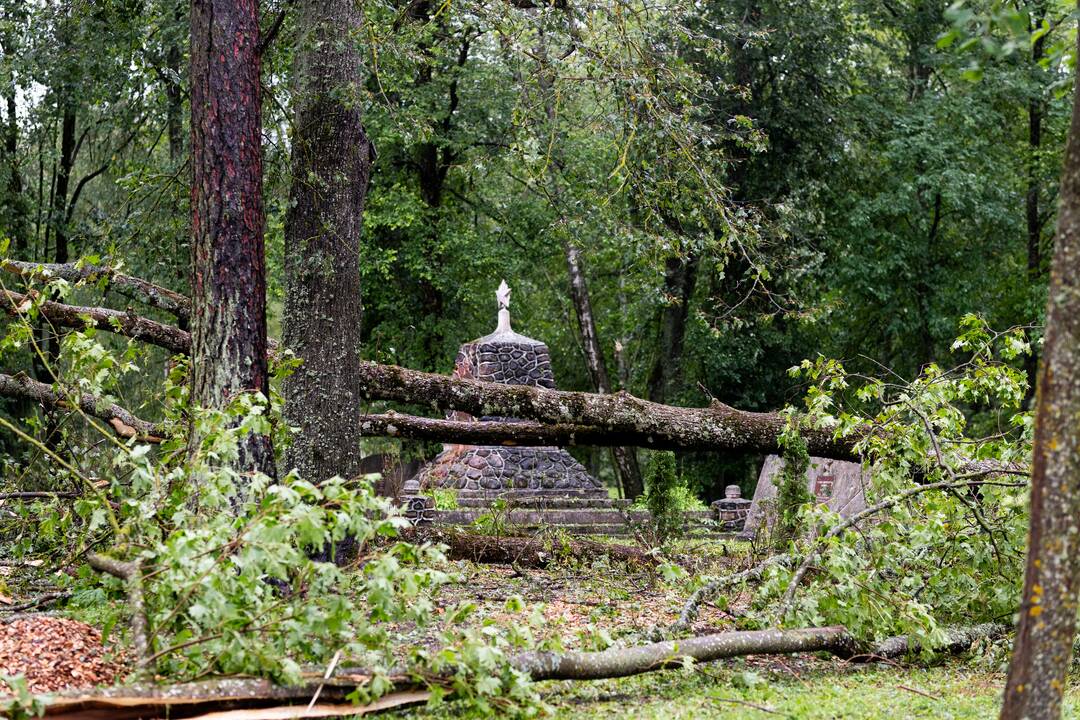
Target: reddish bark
<point>228,281</point>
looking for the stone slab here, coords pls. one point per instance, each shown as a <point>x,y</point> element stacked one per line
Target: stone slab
<point>840,485</point>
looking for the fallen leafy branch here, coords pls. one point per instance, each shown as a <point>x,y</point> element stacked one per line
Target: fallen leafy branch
<point>693,603</point>
<point>122,421</point>
<point>132,287</point>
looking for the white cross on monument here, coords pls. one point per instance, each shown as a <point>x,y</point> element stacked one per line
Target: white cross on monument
<point>503,296</point>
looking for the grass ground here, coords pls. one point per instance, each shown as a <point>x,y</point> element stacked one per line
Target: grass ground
<point>808,689</point>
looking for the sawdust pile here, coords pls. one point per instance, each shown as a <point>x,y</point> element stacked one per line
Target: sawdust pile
<point>54,654</point>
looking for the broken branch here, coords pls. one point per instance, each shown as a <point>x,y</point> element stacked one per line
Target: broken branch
<point>127,285</point>
<point>131,573</point>
<point>81,317</point>
<point>122,421</point>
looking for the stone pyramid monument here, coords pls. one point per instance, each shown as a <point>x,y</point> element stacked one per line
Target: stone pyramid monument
<point>507,357</point>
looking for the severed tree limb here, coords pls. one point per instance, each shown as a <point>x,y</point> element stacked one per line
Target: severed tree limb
<point>558,415</point>
<point>125,323</point>
<point>523,433</point>
<point>621,662</point>
<point>633,420</point>
<point>636,421</point>
<point>131,573</point>
<point>187,698</point>
<point>527,551</point>
<point>122,421</point>
<point>127,285</point>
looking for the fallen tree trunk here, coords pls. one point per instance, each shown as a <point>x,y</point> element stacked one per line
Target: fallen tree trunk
<point>122,322</point>
<point>190,698</point>
<point>635,421</point>
<point>129,286</point>
<point>523,433</point>
<point>123,422</point>
<point>559,417</point>
<point>621,662</point>
<point>532,552</point>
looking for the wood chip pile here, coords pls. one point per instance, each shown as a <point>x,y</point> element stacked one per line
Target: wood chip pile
<point>55,653</point>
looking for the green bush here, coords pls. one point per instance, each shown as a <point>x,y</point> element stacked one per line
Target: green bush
<point>667,497</point>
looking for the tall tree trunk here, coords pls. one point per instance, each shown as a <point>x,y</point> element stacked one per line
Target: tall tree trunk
<point>51,336</point>
<point>174,100</point>
<point>228,284</point>
<point>680,277</point>
<point>1048,611</point>
<point>624,459</point>
<point>18,220</point>
<point>331,165</point>
<point>1036,108</point>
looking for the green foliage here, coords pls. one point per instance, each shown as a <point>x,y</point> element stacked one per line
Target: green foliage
<point>791,492</point>
<point>667,497</point>
<point>234,571</point>
<point>445,499</point>
<point>938,558</point>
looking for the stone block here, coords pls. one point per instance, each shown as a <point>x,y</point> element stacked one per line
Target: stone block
<point>840,485</point>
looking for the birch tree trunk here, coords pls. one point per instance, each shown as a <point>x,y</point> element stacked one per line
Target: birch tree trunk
<point>1044,639</point>
<point>228,284</point>
<point>331,159</point>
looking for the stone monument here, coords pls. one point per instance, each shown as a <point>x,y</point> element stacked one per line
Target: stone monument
<point>506,357</point>
<point>840,485</point>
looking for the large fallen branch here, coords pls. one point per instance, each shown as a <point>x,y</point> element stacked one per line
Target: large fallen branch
<point>122,421</point>
<point>81,317</point>
<point>621,662</point>
<point>127,285</point>
<point>633,420</point>
<point>559,417</point>
<point>524,433</point>
<point>528,551</point>
<point>235,693</point>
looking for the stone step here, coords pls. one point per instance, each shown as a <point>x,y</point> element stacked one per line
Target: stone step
<point>559,517</point>
<point>539,501</point>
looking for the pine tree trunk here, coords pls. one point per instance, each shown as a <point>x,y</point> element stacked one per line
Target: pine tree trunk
<point>228,284</point>
<point>331,165</point>
<point>1048,611</point>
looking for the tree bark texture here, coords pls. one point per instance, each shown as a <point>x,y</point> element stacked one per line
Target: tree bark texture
<point>331,166</point>
<point>624,458</point>
<point>229,275</point>
<point>1048,609</point>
